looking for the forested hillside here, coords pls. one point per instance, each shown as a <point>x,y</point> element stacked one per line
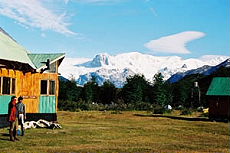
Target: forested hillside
<point>137,93</point>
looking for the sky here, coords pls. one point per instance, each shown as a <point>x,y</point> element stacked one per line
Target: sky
<point>84,28</point>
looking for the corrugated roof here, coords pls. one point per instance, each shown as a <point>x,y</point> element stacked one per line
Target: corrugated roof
<point>10,50</point>
<point>220,86</point>
<point>38,58</point>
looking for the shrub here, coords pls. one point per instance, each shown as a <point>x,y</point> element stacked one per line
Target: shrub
<point>96,106</point>
<point>204,115</point>
<point>168,111</point>
<point>180,107</point>
<point>186,111</point>
<point>82,105</point>
<point>67,105</point>
<point>158,109</point>
<point>200,109</point>
<point>143,106</point>
<point>78,110</point>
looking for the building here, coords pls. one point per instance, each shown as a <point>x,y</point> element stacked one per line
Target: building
<point>32,76</point>
<point>218,96</point>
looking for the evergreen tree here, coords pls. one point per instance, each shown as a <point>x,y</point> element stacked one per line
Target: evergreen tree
<point>183,91</point>
<point>159,90</point>
<point>91,91</point>
<point>168,93</point>
<point>107,93</point>
<point>179,95</point>
<point>62,89</point>
<point>134,89</point>
<point>69,90</point>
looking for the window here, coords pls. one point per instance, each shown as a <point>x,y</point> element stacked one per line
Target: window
<point>13,86</point>
<point>53,67</point>
<point>7,85</point>
<point>52,87</point>
<point>48,87</point>
<point>44,87</point>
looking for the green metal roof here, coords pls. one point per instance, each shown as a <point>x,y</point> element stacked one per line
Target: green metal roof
<point>220,86</point>
<point>38,58</point>
<point>10,50</point>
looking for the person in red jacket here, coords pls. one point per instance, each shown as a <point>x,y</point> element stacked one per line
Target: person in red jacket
<point>13,118</point>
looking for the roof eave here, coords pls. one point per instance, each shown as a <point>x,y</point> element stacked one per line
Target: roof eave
<point>44,66</point>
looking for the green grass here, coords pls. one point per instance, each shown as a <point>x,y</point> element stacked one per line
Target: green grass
<point>95,131</point>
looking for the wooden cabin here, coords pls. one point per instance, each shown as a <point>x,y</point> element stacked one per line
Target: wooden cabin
<point>32,76</point>
<point>218,96</point>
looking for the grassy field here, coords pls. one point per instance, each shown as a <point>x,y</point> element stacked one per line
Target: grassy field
<point>125,132</point>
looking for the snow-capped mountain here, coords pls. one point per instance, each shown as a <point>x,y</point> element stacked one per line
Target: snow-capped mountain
<point>117,68</point>
<point>205,70</point>
<point>116,76</point>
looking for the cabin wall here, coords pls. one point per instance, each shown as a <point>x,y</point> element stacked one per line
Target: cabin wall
<point>219,107</point>
<point>32,88</point>
<point>28,85</point>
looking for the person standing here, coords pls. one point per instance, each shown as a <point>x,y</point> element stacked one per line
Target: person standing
<point>21,114</point>
<point>13,118</point>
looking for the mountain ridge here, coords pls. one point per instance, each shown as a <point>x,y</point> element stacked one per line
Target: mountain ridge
<point>205,70</point>
<point>116,68</point>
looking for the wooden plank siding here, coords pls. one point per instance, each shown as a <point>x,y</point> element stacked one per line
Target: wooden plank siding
<point>28,85</point>
<point>47,104</point>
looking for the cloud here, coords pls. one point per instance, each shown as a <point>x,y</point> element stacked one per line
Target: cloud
<point>66,1</point>
<point>151,8</point>
<point>43,35</point>
<point>97,1</point>
<point>94,1</point>
<point>153,11</point>
<point>174,43</point>
<point>32,13</point>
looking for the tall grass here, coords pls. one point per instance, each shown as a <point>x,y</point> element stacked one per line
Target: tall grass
<point>96,131</point>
